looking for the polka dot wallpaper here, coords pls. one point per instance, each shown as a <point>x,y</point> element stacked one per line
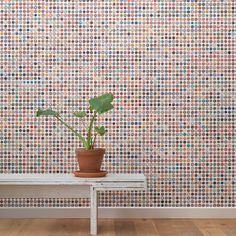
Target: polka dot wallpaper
<point>170,66</point>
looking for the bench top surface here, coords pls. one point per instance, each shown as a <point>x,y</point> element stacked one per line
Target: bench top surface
<point>67,179</point>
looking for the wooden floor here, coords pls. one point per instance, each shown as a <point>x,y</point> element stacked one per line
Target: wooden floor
<point>118,227</point>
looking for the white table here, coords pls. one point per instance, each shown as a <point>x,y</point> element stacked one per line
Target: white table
<point>68,186</point>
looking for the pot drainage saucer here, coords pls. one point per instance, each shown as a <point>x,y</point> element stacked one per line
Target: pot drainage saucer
<point>90,175</point>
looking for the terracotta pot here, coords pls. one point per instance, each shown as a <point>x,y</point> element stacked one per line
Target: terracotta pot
<point>90,161</point>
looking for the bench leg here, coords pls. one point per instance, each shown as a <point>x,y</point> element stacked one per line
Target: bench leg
<point>93,211</point>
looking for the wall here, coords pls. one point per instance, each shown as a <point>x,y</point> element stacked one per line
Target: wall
<point>169,65</point>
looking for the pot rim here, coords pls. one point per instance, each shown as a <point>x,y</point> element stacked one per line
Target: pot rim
<point>90,150</point>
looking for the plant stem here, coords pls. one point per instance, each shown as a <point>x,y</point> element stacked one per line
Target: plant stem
<point>83,123</point>
<point>94,140</point>
<point>89,136</point>
<point>82,139</point>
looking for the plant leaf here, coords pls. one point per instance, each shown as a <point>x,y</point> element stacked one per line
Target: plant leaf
<point>100,130</point>
<point>48,112</point>
<point>102,103</point>
<point>80,114</point>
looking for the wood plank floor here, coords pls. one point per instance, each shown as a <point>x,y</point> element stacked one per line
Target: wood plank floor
<point>118,227</point>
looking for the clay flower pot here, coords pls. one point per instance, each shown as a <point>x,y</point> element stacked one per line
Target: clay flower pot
<point>90,161</point>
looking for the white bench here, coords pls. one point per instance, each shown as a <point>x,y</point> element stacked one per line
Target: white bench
<point>68,186</point>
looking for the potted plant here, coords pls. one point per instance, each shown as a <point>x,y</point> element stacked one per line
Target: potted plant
<point>89,158</point>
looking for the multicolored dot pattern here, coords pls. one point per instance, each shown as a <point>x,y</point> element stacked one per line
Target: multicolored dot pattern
<point>170,66</point>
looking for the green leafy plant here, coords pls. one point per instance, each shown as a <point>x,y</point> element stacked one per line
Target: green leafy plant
<point>97,106</point>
